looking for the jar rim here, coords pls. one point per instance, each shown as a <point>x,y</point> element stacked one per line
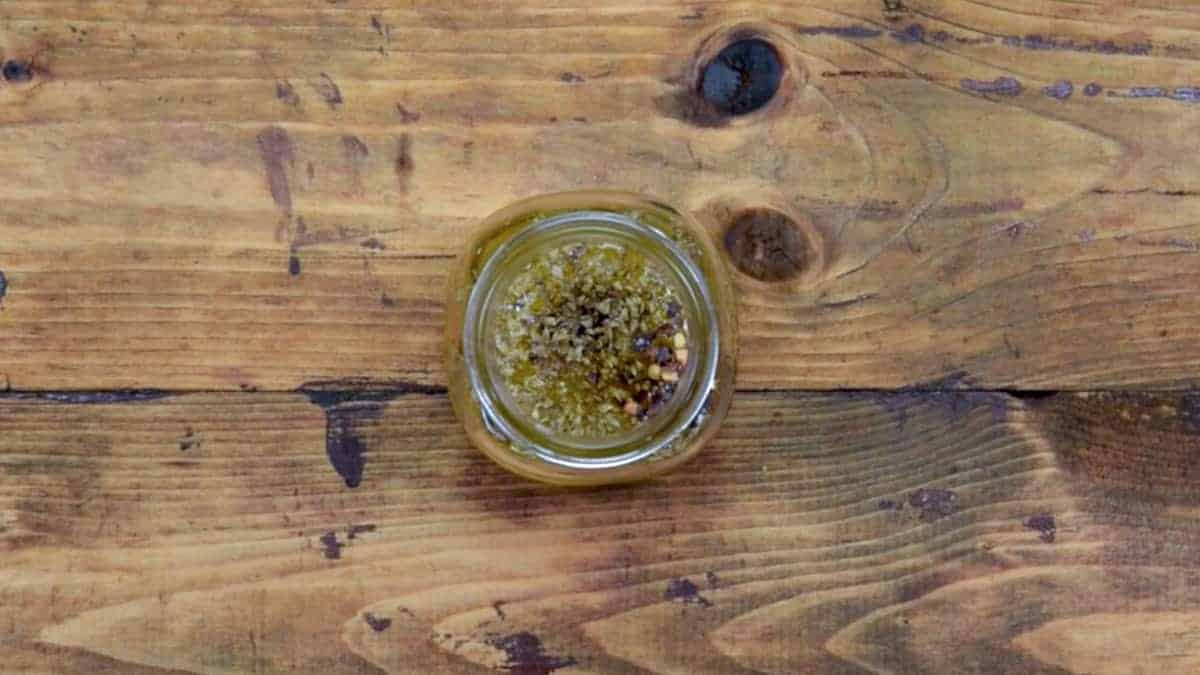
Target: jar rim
<point>497,416</point>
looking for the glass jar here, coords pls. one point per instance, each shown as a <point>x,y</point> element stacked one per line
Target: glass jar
<point>507,242</point>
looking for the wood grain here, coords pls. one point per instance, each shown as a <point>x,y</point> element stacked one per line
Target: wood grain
<point>999,188</point>
<point>225,445</point>
<point>841,532</point>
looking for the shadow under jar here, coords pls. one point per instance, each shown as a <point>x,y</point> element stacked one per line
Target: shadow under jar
<point>590,338</point>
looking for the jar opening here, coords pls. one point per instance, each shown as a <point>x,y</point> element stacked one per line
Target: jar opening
<point>489,307</point>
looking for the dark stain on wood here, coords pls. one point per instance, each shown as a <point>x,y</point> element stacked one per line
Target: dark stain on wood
<point>526,656</point>
<point>951,396</point>
<point>933,503</point>
<point>189,440</point>
<point>916,33</point>
<point>1045,43</point>
<point>1060,90</point>
<point>570,78</point>
<point>869,74</point>
<point>342,443</point>
<point>766,245</point>
<point>275,147</point>
<point>353,531</point>
<point>328,393</point>
<point>1142,92</point>
<point>294,264</point>
<point>941,36</point>
<point>377,623</point>
<point>3,285</point>
<point>101,397</point>
<point>1045,526</point>
<point>913,34</point>
<point>1146,191</point>
<point>1033,396</point>
<point>328,90</point>
<point>404,161</point>
<point>1001,86</point>
<point>851,32</point>
<point>348,405</point>
<point>373,244</point>
<point>284,91</point>
<point>685,591</point>
<point>330,546</point>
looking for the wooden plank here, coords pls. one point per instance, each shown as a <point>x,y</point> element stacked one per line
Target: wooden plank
<point>838,532</point>
<point>216,196</point>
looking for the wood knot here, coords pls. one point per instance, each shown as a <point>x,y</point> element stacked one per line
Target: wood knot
<point>736,70</point>
<point>742,77</point>
<point>16,71</point>
<point>766,245</point>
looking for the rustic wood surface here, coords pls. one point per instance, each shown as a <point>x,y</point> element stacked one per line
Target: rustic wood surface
<point>841,532</point>
<point>207,196</point>
<point>967,436</point>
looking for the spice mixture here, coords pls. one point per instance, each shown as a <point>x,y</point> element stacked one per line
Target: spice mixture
<point>591,339</point>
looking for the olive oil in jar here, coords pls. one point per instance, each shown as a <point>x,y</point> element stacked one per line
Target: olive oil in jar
<point>590,338</point>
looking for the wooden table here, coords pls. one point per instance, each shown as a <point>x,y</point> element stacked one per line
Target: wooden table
<point>966,437</point>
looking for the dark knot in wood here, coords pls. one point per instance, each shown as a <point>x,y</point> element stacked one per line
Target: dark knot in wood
<point>16,70</point>
<point>742,78</point>
<point>766,245</point>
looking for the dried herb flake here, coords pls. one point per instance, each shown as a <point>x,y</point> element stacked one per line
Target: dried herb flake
<point>591,339</point>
